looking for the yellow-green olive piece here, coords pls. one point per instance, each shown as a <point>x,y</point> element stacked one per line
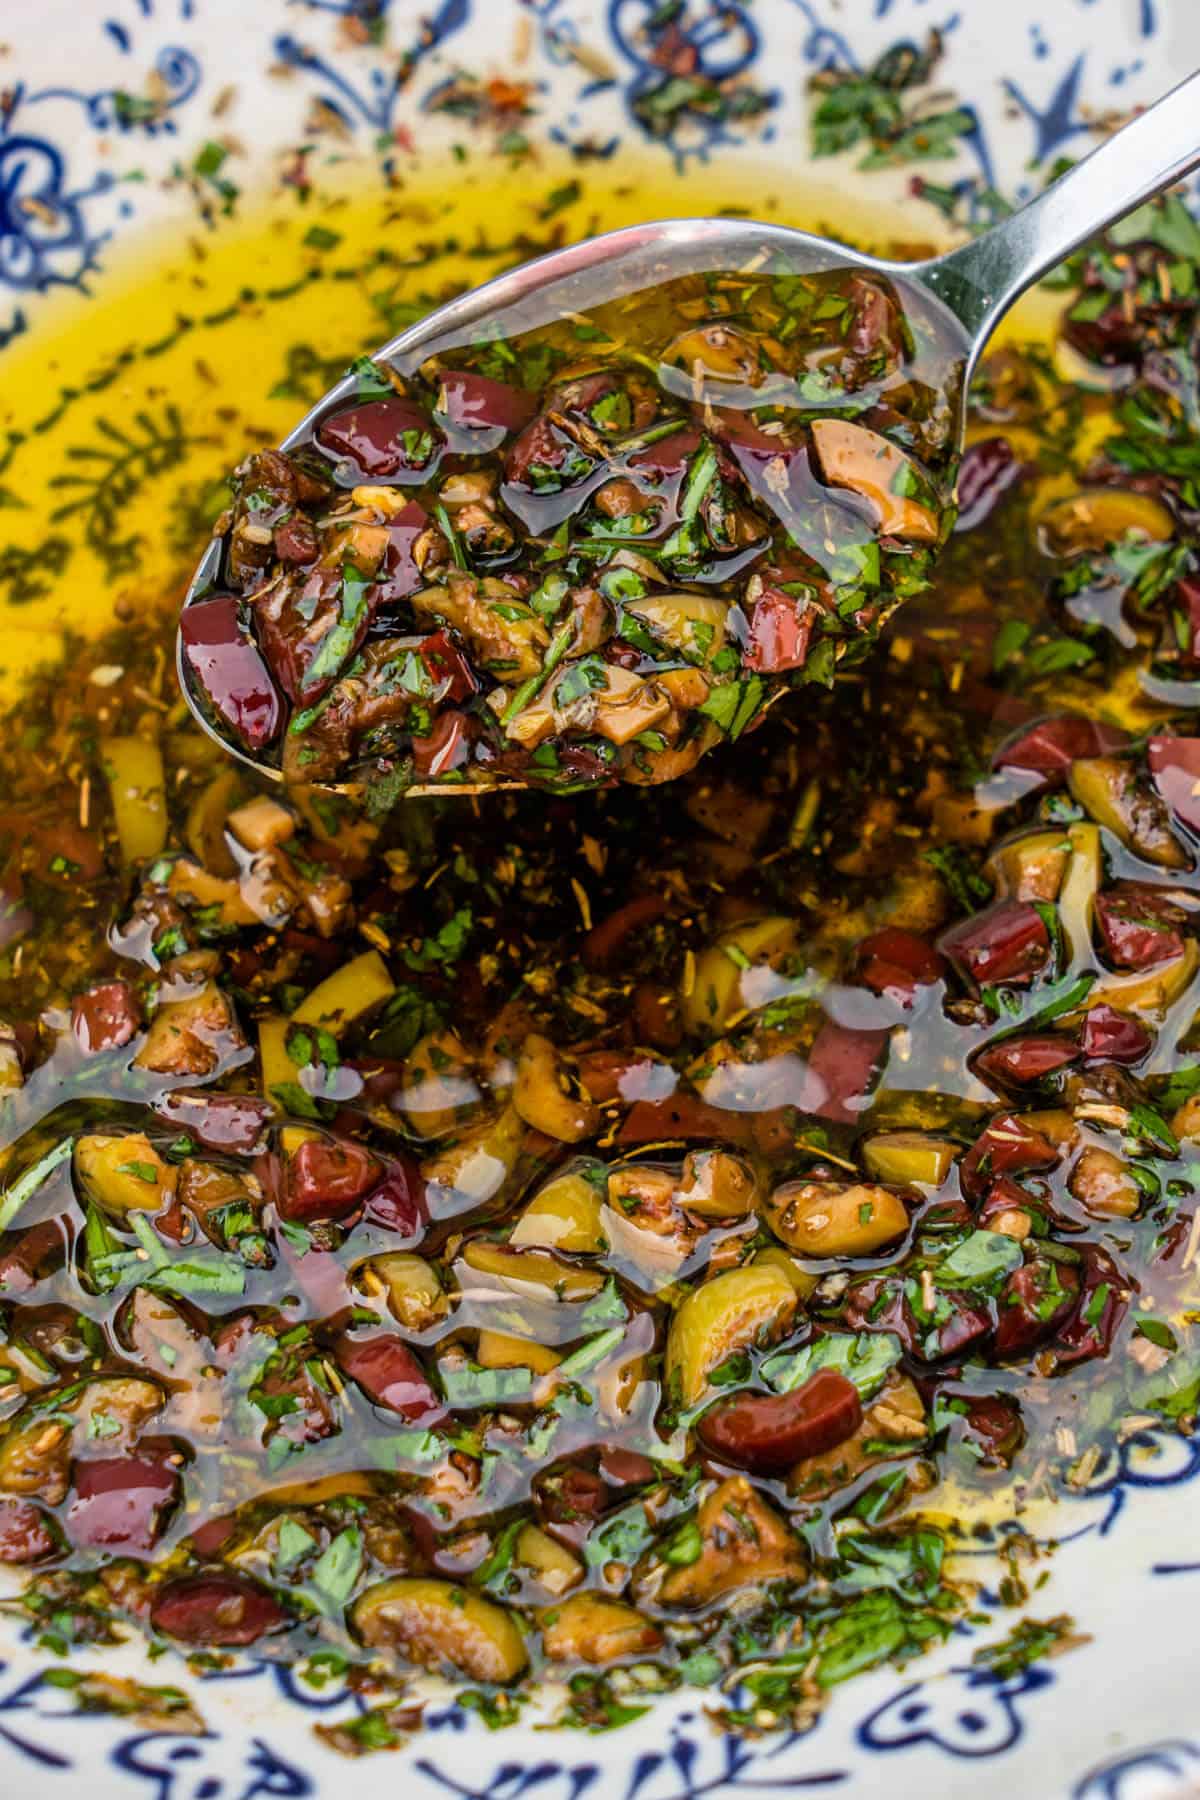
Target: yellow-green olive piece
<point>1031,867</point>
<point>123,1172</point>
<point>743,1542</point>
<point>1104,1185</point>
<point>549,1562</point>
<point>500,1350</point>
<point>692,624</point>
<point>35,1459</point>
<point>591,1628</point>
<point>907,1156</point>
<point>563,1280</point>
<point>441,1625</point>
<point>716,1184</point>
<point>563,1215</point>
<point>474,1166</point>
<point>414,1292</point>
<point>1109,791</point>
<point>1099,517</point>
<point>752,1305</point>
<point>543,1095</point>
<point>836,1218</point>
<point>802,1279</point>
<point>715,990</point>
<point>439,1087</point>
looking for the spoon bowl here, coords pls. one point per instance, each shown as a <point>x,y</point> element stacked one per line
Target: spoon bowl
<point>953,302</point>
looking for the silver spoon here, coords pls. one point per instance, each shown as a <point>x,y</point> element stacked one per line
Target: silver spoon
<point>960,296</point>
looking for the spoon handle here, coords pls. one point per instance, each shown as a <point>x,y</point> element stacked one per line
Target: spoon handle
<point>980,281</point>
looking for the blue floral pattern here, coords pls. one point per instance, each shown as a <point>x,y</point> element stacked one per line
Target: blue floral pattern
<point>47,238</point>
<point>1159,1768</point>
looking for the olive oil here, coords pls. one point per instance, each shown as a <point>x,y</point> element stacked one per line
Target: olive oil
<point>121,412</point>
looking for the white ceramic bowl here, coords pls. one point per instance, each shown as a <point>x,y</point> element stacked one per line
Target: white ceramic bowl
<point>1117,1719</point>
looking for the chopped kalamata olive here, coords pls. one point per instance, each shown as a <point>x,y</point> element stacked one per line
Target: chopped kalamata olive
<point>1175,766</point>
<point>626,1468</point>
<point>781,629</point>
<point>1104,1296</point>
<point>106,1016</point>
<point>1008,943</point>
<point>608,937</point>
<point>476,403</point>
<point>896,962</point>
<point>383,440</point>
<point>26,1532</point>
<point>444,748</point>
<point>570,1502</point>
<point>1023,1061</point>
<point>32,1254</point>
<point>880,1303</point>
<point>121,1502</point>
<point>296,541</point>
<point>991,1426</point>
<point>989,468</point>
<point>1139,926</point>
<point>449,670</point>
<point>841,1065</point>
<point>1033,1303</point>
<point>230,671</point>
<point>232,1123</point>
<point>397,1204</point>
<point>389,1374</point>
<point>222,1611</point>
<point>1007,1146</point>
<point>769,1433</point>
<point>327,1178</point>
<point>211,1538</point>
<point>1049,747</point>
<point>1109,1036</point>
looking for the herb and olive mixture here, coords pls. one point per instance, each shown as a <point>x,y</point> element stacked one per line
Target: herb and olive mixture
<point>617,1237</point>
<point>584,554</point>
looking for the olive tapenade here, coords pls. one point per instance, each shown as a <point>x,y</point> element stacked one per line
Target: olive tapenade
<point>588,553</point>
<point>636,1241</point>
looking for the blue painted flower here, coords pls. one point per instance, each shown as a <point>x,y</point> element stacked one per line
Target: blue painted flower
<point>44,237</point>
<point>966,1713</point>
<point>211,1768</point>
<point>1174,1761</point>
<point>693,66</point>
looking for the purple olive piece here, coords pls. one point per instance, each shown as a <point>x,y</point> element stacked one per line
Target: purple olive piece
<point>987,471</point>
<point>1006,942</point>
<point>1049,746</point>
<point>1109,1036</point>
<point>26,1534</point>
<point>399,574</point>
<point>475,403</point>
<point>770,1433</point>
<point>1104,1297</point>
<point>230,670</point>
<point>120,1501</point>
<point>384,440</point>
<point>1175,767</point>
<point>226,1610</point>
<point>1021,1061</point>
<point>233,1123</point>
<point>1034,1302</point>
